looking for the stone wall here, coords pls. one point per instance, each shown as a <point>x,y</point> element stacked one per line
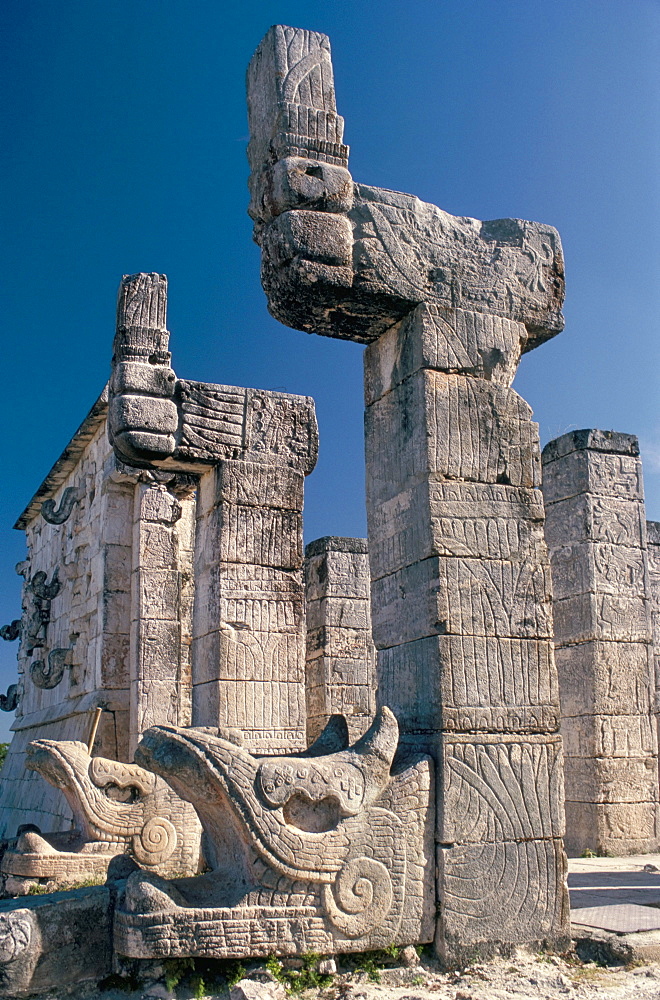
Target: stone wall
<point>596,533</point>
<point>74,649</point>
<point>341,656</point>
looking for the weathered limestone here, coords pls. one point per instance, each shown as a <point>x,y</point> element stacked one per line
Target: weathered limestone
<point>92,632</point>
<point>325,851</point>
<point>55,941</point>
<point>460,576</point>
<point>118,808</point>
<point>341,656</point>
<point>249,450</point>
<point>653,551</point>
<point>596,533</point>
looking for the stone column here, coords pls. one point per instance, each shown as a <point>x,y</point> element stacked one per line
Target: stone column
<point>462,617</point>
<point>162,592</point>
<point>596,532</point>
<point>460,578</point>
<point>249,642</point>
<point>341,657</point>
<point>653,540</point>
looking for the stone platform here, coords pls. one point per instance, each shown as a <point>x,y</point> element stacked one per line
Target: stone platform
<point>616,901</point>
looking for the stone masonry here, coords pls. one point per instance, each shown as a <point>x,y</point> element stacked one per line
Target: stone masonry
<point>596,533</point>
<point>341,656</point>
<point>84,617</point>
<point>461,598</point>
<point>246,452</point>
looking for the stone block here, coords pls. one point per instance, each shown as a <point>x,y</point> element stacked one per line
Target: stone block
<point>55,941</point>
<point>341,643</point>
<point>240,596</point>
<point>603,677</point>
<point>115,653</point>
<point>269,716</point>
<point>470,430</point>
<point>614,829</point>
<point>443,339</point>
<point>476,520</point>
<point>590,439</point>
<point>495,788</point>
<point>465,683</point>
<point>611,780</point>
<point>603,474</point>
<point>595,518</point>
<point>237,655</point>
<point>314,236</point>
<point>338,612</point>
<point>610,736</point>
<point>587,617</point>
<point>158,547</point>
<point>500,893</point>
<point>298,182</point>
<point>159,595</point>
<point>582,567</point>
<point>345,575</point>
<point>462,597</point>
<point>252,485</point>
<point>158,650</point>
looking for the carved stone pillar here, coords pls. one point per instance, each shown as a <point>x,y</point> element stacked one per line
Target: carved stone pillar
<point>341,658</point>
<point>248,646</point>
<point>162,596</point>
<point>460,579</point>
<point>596,532</point>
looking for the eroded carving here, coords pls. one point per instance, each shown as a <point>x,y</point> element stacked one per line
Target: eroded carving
<point>118,808</point>
<point>9,701</point>
<point>70,497</point>
<point>12,631</point>
<point>312,848</point>
<point>39,594</point>
<point>49,674</point>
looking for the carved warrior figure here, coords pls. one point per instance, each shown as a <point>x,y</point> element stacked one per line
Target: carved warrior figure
<point>118,809</point>
<point>460,577</point>
<point>322,851</point>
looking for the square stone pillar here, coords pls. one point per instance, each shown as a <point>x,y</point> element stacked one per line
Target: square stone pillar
<point>462,618</point>
<point>341,657</point>
<point>249,638</point>
<point>161,606</point>
<point>653,539</point>
<point>596,533</point>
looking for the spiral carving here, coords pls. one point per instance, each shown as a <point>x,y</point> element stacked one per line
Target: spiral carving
<point>155,842</point>
<point>15,936</point>
<point>360,898</point>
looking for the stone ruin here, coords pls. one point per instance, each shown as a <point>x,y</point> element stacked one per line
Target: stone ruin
<point>265,751</point>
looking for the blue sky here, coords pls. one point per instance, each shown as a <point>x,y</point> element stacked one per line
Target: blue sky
<point>123,149</point>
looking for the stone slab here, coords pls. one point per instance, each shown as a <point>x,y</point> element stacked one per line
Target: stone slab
<point>623,918</point>
<point>449,340</point>
<point>595,518</point>
<point>55,941</point>
<point>603,677</point>
<point>437,517</point>
<point>498,788</point>
<point>586,617</point>
<point>505,892</point>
